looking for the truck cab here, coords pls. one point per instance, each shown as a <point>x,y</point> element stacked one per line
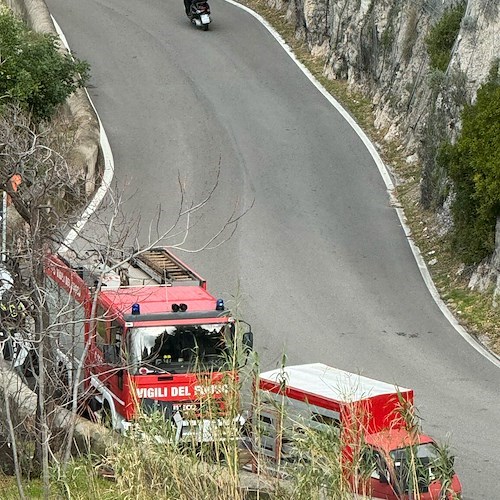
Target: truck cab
<point>390,454</point>
<point>151,337</point>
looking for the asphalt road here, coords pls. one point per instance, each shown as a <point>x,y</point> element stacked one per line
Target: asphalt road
<point>320,265</point>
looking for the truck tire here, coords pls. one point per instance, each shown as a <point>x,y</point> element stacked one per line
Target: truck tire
<point>106,415</point>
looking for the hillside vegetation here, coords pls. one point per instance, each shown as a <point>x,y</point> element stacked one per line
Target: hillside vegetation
<point>34,74</point>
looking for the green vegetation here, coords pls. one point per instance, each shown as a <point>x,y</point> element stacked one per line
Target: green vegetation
<point>84,479</point>
<point>33,73</point>
<point>442,36</point>
<point>411,34</point>
<point>150,464</point>
<point>473,164</point>
<point>389,34</point>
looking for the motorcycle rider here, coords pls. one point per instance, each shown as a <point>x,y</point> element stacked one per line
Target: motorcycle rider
<point>187,6</point>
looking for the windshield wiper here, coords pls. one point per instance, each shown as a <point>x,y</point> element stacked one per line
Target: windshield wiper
<point>155,368</point>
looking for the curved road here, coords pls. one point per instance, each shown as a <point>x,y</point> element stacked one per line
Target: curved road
<point>320,265</point>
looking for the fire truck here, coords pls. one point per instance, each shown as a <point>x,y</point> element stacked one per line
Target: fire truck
<point>150,337</point>
<point>365,414</point>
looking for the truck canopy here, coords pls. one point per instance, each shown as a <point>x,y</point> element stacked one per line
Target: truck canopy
<point>349,394</point>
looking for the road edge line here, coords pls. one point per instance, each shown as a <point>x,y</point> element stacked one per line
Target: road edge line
<point>109,167</point>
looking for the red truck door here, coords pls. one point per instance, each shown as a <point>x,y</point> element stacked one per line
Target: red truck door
<point>112,373</point>
<point>377,483</point>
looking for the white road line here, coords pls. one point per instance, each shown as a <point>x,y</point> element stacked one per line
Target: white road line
<point>424,271</point>
<point>109,168</point>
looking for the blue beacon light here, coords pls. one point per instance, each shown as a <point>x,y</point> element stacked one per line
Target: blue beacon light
<point>220,305</point>
<point>136,309</point>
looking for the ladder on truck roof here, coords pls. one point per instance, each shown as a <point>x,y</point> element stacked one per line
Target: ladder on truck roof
<point>164,268</point>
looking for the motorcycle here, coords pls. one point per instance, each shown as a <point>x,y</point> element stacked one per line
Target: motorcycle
<point>199,14</point>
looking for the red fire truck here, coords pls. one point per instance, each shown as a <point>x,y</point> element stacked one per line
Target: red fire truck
<point>361,409</point>
<point>150,335</point>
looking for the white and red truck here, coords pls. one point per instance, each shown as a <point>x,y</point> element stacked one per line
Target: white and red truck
<point>153,335</point>
<point>363,410</point>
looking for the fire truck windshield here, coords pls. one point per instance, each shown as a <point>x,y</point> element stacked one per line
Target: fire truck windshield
<point>426,451</point>
<point>178,349</point>
<point>420,459</point>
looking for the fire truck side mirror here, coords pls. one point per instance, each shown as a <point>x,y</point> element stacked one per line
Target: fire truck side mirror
<point>248,340</point>
<point>384,477</point>
<point>111,354</point>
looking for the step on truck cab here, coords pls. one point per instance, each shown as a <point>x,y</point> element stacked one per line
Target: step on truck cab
<point>366,412</point>
<point>150,335</point>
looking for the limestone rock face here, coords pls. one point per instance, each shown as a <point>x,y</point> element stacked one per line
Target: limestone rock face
<point>479,42</point>
<point>380,46</point>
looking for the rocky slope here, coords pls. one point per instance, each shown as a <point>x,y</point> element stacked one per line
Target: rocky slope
<point>380,45</point>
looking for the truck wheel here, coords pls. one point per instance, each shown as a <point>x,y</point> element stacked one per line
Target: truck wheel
<point>94,405</point>
<point>106,415</point>
<point>205,27</point>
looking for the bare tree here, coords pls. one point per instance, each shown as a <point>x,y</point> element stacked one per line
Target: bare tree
<point>113,235</point>
<point>44,200</point>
